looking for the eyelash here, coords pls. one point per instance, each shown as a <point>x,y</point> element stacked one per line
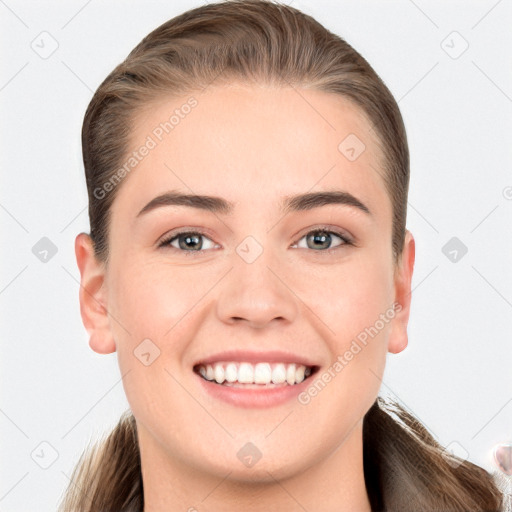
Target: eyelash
<point>321,229</point>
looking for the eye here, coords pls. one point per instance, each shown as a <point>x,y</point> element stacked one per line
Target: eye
<point>186,241</point>
<point>321,239</point>
<point>317,239</point>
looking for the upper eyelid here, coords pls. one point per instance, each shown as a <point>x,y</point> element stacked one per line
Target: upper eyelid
<point>340,233</point>
<point>173,235</point>
<point>336,231</point>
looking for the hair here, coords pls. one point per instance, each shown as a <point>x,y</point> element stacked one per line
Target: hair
<point>262,42</point>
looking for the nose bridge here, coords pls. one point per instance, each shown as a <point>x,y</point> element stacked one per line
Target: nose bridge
<point>255,290</point>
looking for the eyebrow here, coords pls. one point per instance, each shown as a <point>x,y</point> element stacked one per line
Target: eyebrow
<point>300,202</point>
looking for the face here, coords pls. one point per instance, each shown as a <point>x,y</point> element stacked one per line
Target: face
<point>266,278</point>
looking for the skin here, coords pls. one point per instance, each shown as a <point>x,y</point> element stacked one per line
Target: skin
<point>251,145</point>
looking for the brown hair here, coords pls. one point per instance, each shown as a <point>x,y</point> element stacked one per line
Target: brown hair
<point>257,41</point>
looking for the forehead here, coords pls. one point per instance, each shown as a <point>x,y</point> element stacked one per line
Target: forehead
<point>252,145</point>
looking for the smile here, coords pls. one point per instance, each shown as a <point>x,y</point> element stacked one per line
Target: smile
<point>244,374</point>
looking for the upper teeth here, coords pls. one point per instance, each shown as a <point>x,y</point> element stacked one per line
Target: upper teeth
<point>260,373</point>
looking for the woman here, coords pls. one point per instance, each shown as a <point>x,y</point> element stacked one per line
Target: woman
<point>248,261</point>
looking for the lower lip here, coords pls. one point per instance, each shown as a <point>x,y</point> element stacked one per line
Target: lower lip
<point>252,398</point>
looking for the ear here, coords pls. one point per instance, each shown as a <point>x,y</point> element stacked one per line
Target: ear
<point>92,295</point>
<point>402,283</point>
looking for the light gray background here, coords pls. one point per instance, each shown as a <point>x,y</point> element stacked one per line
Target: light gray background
<point>455,375</point>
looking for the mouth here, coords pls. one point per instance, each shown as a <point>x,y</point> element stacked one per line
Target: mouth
<point>259,375</point>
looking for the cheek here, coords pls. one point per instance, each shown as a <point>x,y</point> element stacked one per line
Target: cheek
<point>151,298</point>
<point>349,297</point>
<point>356,306</point>
<point>151,310</point>
<point>153,306</point>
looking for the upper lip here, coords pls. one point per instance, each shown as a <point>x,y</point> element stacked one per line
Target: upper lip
<point>272,356</point>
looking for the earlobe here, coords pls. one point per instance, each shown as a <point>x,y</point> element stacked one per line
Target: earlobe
<point>398,338</point>
<point>92,296</point>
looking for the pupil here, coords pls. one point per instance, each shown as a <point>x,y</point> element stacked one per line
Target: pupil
<point>323,238</point>
<point>195,241</point>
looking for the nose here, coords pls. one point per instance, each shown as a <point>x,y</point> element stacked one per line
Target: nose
<point>257,294</point>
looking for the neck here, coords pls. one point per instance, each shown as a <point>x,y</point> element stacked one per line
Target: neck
<point>333,484</point>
